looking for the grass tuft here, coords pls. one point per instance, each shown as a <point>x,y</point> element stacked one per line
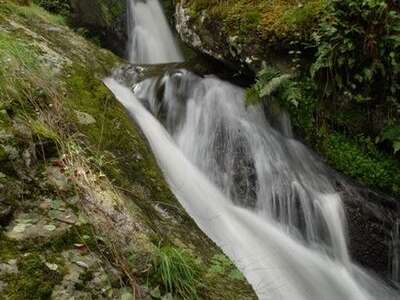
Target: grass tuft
<point>177,271</point>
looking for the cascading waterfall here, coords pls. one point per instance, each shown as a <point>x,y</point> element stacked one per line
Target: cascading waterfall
<point>262,196</point>
<point>150,39</point>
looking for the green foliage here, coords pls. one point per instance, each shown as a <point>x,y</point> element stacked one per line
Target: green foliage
<point>269,82</point>
<point>62,7</point>
<point>369,166</point>
<point>358,55</point>
<point>392,134</point>
<point>296,95</point>
<point>177,271</point>
<point>20,65</point>
<point>32,13</point>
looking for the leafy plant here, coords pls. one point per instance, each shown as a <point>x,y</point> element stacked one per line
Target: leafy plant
<point>269,81</point>
<point>177,271</point>
<point>358,56</point>
<point>392,134</point>
<point>62,7</point>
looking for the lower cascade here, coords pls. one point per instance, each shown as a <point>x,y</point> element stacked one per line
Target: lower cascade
<point>254,190</point>
<point>257,192</point>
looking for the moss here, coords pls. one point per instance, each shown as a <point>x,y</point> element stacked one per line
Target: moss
<point>256,20</point>
<point>33,281</point>
<point>8,248</point>
<point>124,156</point>
<point>370,167</point>
<point>32,12</point>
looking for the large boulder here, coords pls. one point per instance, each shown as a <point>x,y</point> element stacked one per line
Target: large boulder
<point>105,19</point>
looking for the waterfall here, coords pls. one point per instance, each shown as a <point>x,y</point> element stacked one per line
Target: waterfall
<point>150,39</point>
<point>278,263</point>
<point>258,193</point>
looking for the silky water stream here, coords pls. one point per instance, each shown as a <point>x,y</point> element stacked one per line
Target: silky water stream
<point>257,192</point>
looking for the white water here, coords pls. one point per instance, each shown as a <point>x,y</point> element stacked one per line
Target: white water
<point>276,264</point>
<point>255,191</point>
<point>150,39</point>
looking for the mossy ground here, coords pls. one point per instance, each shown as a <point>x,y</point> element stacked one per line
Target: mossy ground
<point>84,195</point>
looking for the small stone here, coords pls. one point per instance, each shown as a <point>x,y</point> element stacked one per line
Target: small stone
<point>53,267</point>
<point>9,268</point>
<point>50,227</point>
<point>84,118</point>
<point>19,228</point>
<point>82,264</point>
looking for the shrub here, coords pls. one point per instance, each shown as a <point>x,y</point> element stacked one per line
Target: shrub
<point>358,57</point>
<point>370,167</point>
<point>62,7</point>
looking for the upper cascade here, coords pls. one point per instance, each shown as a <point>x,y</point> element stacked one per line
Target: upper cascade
<point>150,38</point>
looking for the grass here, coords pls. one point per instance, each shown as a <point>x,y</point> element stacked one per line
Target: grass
<point>177,271</point>
<point>20,66</point>
<point>32,12</point>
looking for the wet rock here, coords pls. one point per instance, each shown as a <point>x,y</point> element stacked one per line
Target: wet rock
<point>9,268</point>
<point>371,217</point>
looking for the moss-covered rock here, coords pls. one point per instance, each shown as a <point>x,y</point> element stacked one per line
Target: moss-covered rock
<point>249,32</point>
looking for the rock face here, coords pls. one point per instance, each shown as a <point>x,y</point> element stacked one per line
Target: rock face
<point>200,34</point>
<point>372,218</point>
<point>206,34</point>
<point>103,18</point>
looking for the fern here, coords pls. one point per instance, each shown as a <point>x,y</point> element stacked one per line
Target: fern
<point>269,81</point>
<point>273,85</point>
